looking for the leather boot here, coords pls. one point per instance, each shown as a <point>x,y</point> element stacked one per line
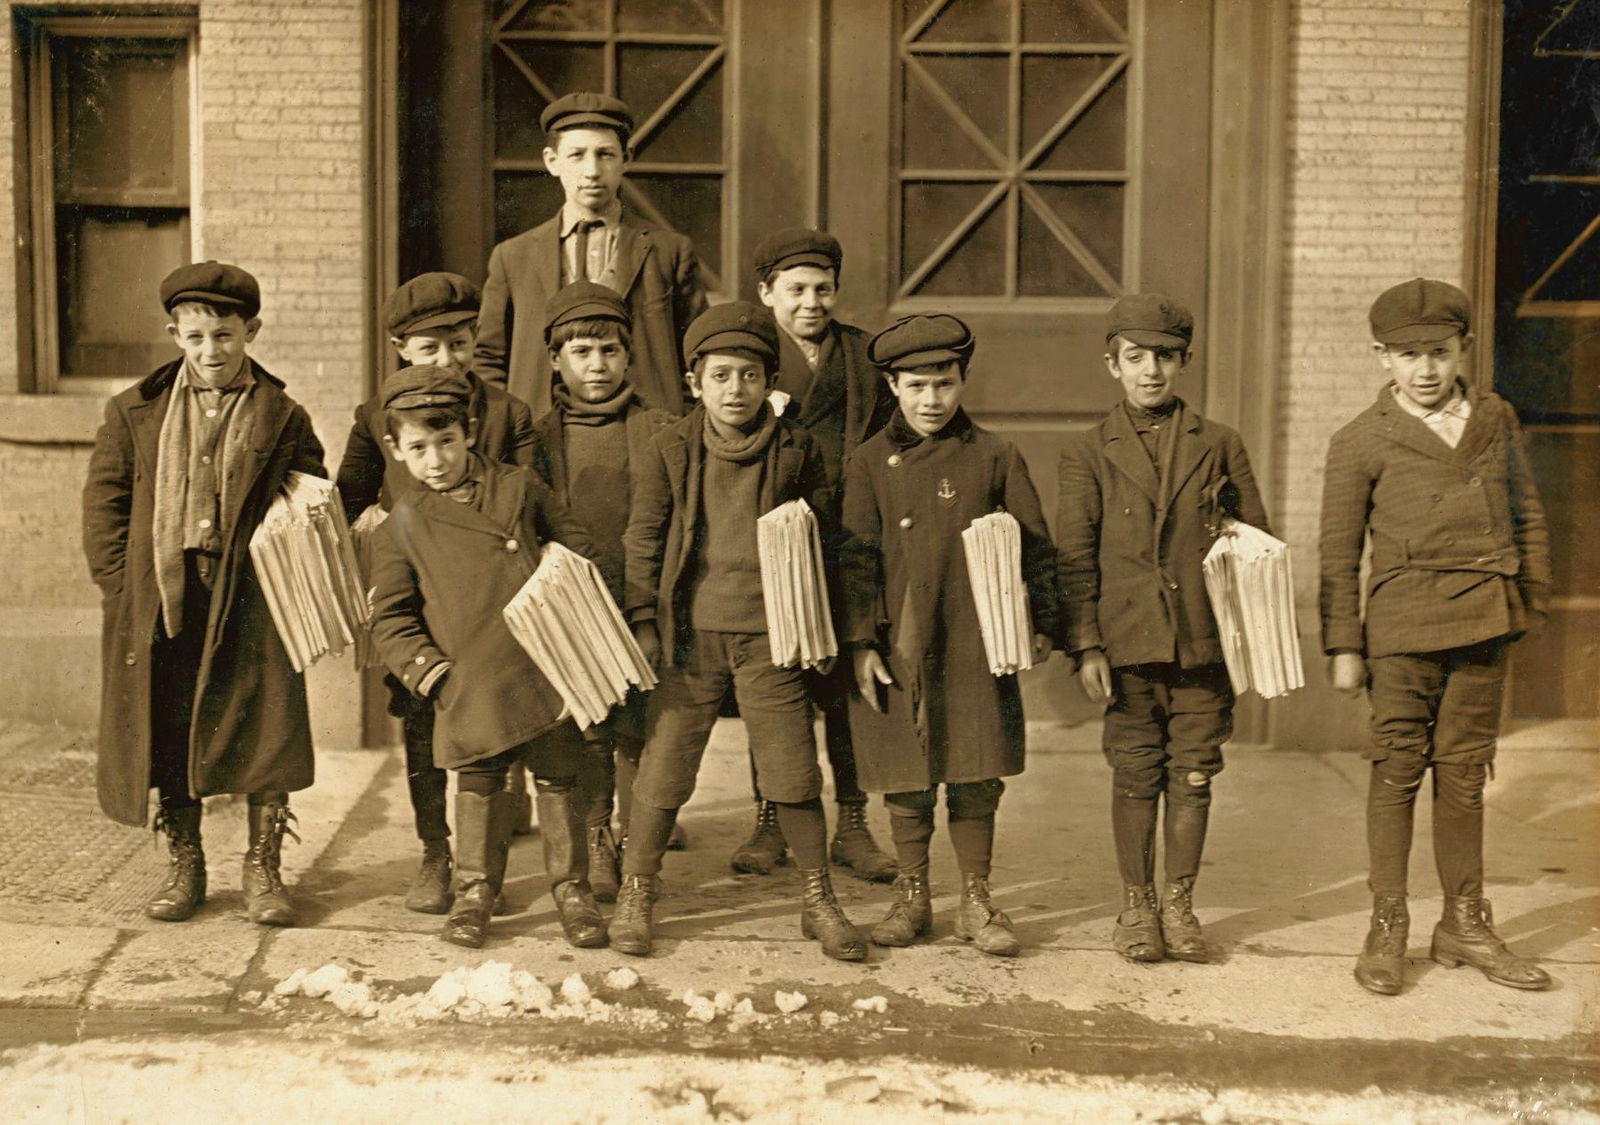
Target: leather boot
<point>520,811</point>
<point>765,849</point>
<point>604,858</point>
<point>979,922</point>
<point>265,898</point>
<point>911,916</point>
<point>1137,935</point>
<point>1381,965</point>
<point>1465,936</point>
<point>822,920</point>
<point>566,861</point>
<point>1180,929</point>
<point>633,922</point>
<point>854,847</point>
<point>185,889</point>
<point>430,887</point>
<point>483,838</point>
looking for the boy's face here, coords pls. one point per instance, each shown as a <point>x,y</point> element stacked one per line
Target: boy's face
<point>589,163</point>
<point>214,346</point>
<point>731,386</point>
<point>438,347</point>
<point>436,459</point>
<point>801,299</point>
<point>929,396</point>
<point>591,367</point>
<point>1146,373</point>
<point>1426,373</point>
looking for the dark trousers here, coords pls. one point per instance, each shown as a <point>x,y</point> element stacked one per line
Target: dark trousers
<point>425,782</point>
<point>834,703</point>
<point>552,759</point>
<point>972,806</point>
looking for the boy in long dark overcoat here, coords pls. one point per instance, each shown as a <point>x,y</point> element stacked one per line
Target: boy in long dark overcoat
<point>198,694</point>
<point>445,563</point>
<point>587,449</point>
<point>1143,495</point>
<point>943,718</point>
<point>833,390</point>
<point>1435,477</point>
<point>431,321</point>
<point>695,600</point>
<point>592,238</point>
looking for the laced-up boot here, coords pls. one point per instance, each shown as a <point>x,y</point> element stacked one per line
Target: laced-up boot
<point>979,922</point>
<point>1465,936</point>
<point>1137,935</point>
<point>185,889</point>
<point>1180,929</point>
<point>911,916</point>
<point>483,839</point>
<point>430,887</point>
<point>822,920</point>
<point>566,861</point>
<point>1380,967</point>
<point>604,860</point>
<point>265,898</point>
<point>633,922</point>
<point>765,849</point>
<point>854,847</point>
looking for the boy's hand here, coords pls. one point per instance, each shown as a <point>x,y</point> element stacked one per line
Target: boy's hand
<point>870,672</point>
<point>1041,648</point>
<point>649,640</point>
<point>1094,676</point>
<point>1348,672</point>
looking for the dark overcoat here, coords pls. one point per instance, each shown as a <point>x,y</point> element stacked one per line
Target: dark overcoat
<point>1132,549</point>
<point>1460,548</point>
<point>848,400</point>
<point>657,274</point>
<point>665,518</point>
<point>250,731</point>
<point>907,591</point>
<point>369,475</point>
<point>442,572</point>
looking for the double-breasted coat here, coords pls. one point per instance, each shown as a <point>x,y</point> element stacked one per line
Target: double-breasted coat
<point>1132,547</point>
<point>847,401</point>
<point>1460,547</point>
<point>656,273</point>
<point>907,591</point>
<point>249,731</point>
<point>442,571</point>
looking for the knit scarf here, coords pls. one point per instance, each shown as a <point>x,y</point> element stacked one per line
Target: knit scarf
<point>575,410</point>
<point>747,448</point>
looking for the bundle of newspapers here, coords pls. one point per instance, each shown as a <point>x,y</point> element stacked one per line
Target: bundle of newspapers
<point>794,587</point>
<point>362,533</point>
<point>1250,583</point>
<point>306,565</point>
<point>565,620</point>
<point>993,545</point>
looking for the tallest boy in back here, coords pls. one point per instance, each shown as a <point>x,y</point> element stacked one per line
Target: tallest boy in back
<point>589,239</point>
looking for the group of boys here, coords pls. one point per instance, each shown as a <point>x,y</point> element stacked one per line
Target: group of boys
<point>551,410</point>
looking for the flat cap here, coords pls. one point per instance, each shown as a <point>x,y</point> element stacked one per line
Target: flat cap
<point>922,340</point>
<point>798,246</point>
<point>737,324</point>
<point>1151,320</point>
<point>1420,311</point>
<point>216,282</point>
<point>430,300</point>
<point>584,300</point>
<point>425,384</point>
<point>584,108</point>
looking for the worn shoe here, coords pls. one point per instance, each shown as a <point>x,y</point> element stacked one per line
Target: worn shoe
<point>1465,936</point>
<point>911,916</point>
<point>854,847</point>
<point>822,920</point>
<point>265,898</point>
<point>483,839</point>
<point>580,917</point>
<point>979,922</point>
<point>1180,929</point>
<point>604,860</point>
<point>633,923</point>
<point>765,849</point>
<point>1380,967</point>
<point>185,889</point>
<point>1137,935</point>
<point>430,887</point>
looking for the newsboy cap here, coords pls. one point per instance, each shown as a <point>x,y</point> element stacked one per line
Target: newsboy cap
<point>921,340</point>
<point>584,300</point>
<point>214,282</point>
<point>425,384</point>
<point>584,108</point>
<point>798,246</point>
<point>430,300</point>
<point>1151,320</point>
<point>737,324</point>
<point>1420,311</point>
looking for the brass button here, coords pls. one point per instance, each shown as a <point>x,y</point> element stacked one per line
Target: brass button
<point>511,545</point>
<point>205,523</point>
<point>420,660</point>
<point>130,659</point>
<point>906,522</point>
<point>894,460</point>
<point>1476,482</point>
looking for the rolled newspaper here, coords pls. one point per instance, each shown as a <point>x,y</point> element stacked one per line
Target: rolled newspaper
<point>794,587</point>
<point>993,546</point>
<point>1250,584</point>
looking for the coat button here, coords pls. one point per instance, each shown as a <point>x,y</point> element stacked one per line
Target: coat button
<point>1476,482</point>
<point>420,660</point>
<point>130,659</point>
<point>894,460</point>
<point>511,545</point>
<point>1437,497</point>
<point>1485,529</point>
<point>1127,511</point>
<point>906,522</point>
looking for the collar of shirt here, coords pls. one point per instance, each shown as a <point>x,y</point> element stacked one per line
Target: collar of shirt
<point>811,349</point>
<point>465,490</point>
<point>570,217</point>
<point>242,378</point>
<point>1457,406</point>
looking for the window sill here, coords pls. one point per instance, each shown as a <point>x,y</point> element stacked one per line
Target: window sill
<point>65,419</point>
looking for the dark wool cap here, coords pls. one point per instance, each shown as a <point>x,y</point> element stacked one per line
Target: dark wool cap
<point>1420,311</point>
<point>430,300</point>
<point>798,246</point>
<point>216,283</point>
<point>583,108</point>
<point>737,324</point>
<point>919,341</point>
<point>425,385</point>
<point>1151,320</point>
<point>584,300</point>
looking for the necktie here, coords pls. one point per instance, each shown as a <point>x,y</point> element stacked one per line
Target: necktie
<point>581,231</point>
